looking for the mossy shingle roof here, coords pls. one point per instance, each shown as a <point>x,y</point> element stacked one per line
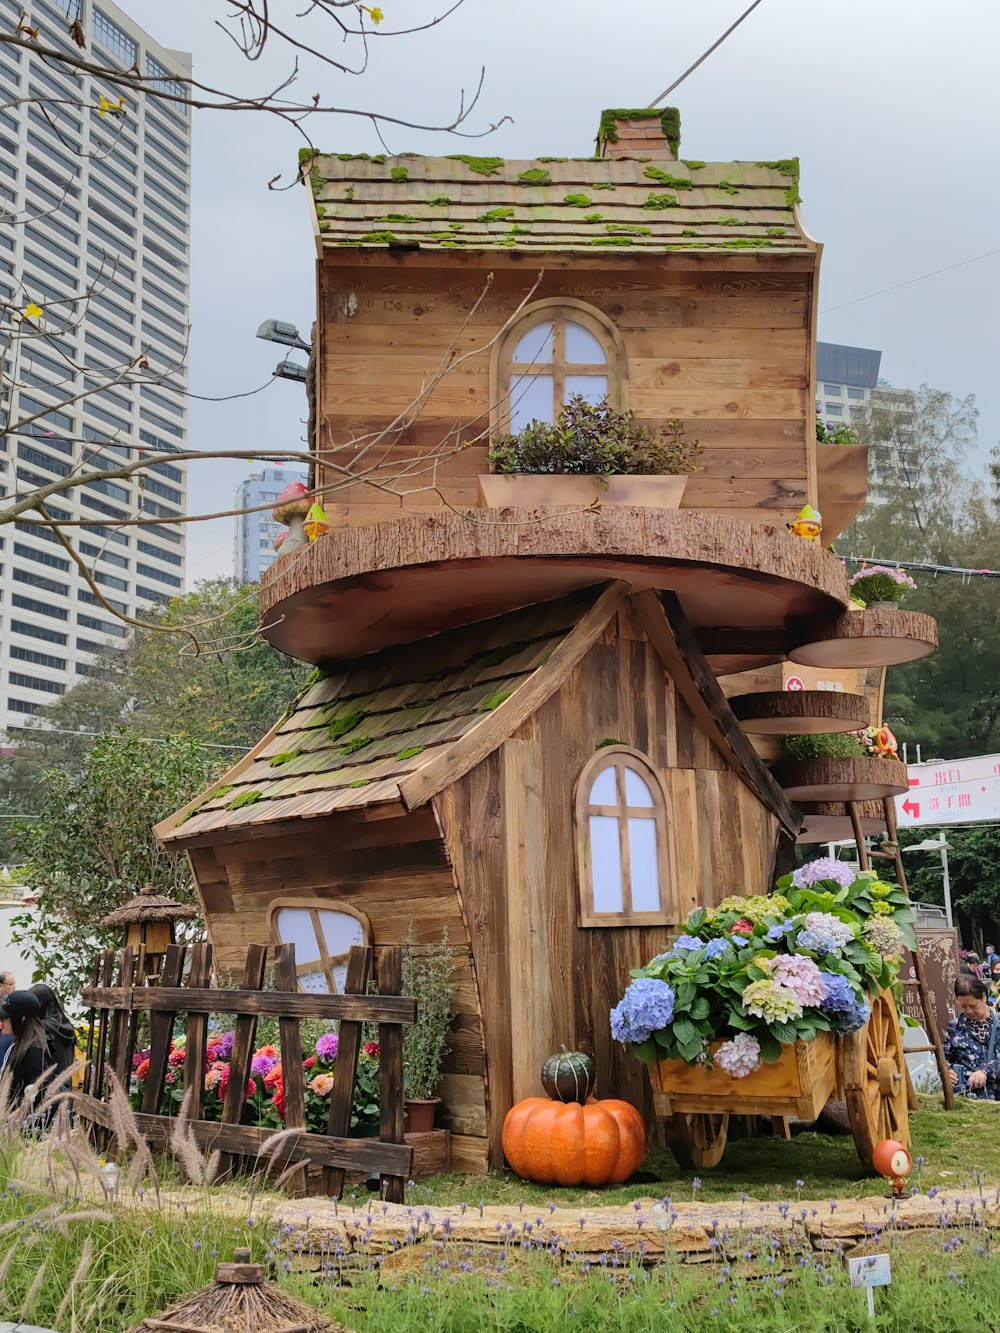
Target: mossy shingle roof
<point>352,735</point>
<point>580,204</point>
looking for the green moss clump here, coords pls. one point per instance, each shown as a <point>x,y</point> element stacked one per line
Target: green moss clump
<point>379,159</point>
<point>349,193</point>
<point>510,237</point>
<point>660,201</point>
<point>358,743</point>
<point>315,676</point>
<point>325,225</point>
<point>611,240</point>
<point>306,155</point>
<point>553,159</point>
<point>496,215</point>
<point>482,166</point>
<point>360,782</point>
<point>439,201</point>
<point>244,798</point>
<point>792,195</point>
<point>377,238</point>
<point>456,226</point>
<point>594,217</point>
<point>693,165</point>
<point>411,753</point>
<point>221,791</point>
<point>655,173</point>
<point>286,757</point>
<point>670,124</point>
<point>747,243</point>
<point>534,176</point>
<point>494,701</point>
<point>320,211</point>
<point>577,200</point>
<point>340,726</point>
<point>689,231</point>
<point>732,222</point>
<point>399,217</point>
<point>727,187</point>
<point>840,745</point>
<point>399,173</point>
<point>776,231</point>
<point>603,185</point>
<point>785,166</point>
<point>610,740</point>
<point>627,229</point>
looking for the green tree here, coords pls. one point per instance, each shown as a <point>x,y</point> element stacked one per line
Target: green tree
<point>974,874</point>
<point>91,847</point>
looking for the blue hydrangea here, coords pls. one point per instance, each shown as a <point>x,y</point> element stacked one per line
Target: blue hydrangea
<point>687,943</point>
<point>778,932</point>
<point>839,996</point>
<point>646,1007</point>
<point>855,1018</point>
<point>715,948</point>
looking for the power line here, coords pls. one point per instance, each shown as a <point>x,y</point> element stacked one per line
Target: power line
<point>910,281</point>
<point>924,567</point>
<point>715,45</point>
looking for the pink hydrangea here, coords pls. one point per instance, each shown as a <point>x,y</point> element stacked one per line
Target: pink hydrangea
<point>801,976</point>
<point>739,1057</point>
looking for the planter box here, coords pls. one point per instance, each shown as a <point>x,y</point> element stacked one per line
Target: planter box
<point>431,1153</point>
<point>841,779</point>
<point>800,1083</point>
<point>841,485</point>
<point>529,490</point>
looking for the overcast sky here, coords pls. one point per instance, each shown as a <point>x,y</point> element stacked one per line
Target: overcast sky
<point>890,104</point>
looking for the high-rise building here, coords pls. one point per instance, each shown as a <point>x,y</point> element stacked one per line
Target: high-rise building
<point>845,379</point>
<point>95,201</point>
<point>253,549</point>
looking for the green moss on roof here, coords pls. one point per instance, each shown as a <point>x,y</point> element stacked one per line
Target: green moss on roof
<point>244,798</point>
<point>610,240</point>
<point>360,782</point>
<point>689,231</point>
<point>731,222</point>
<point>535,176</point>
<point>494,701</point>
<point>340,726</point>
<point>358,743</point>
<point>277,760</point>
<point>792,195</point>
<point>578,200</point>
<point>776,231</point>
<point>496,215</point>
<point>553,159</point>
<point>787,166</point>
<point>377,238</point>
<point>411,753</point>
<point>670,123</point>
<point>399,173</point>
<point>655,173</point>
<point>627,229</point>
<point>349,193</point>
<point>603,185</point>
<point>654,201</point>
<point>439,201</point>
<point>398,217</point>
<point>482,166</point>
<point>594,217</point>
<point>727,187</point>
<point>746,243</point>
<point>693,165</point>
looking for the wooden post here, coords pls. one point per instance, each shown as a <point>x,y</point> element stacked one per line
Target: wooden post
<point>118,1052</point>
<point>345,1072</point>
<point>863,859</point>
<point>930,1022</point>
<point>196,1043</point>
<point>161,1028</point>
<point>107,971</point>
<point>90,1079</point>
<point>390,1040</point>
<point>244,1032</point>
<point>291,1059</point>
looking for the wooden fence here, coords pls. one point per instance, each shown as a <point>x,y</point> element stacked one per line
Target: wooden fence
<point>115,1004</point>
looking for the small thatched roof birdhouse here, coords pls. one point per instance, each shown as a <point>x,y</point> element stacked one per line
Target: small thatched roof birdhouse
<point>149,919</point>
<point>240,1301</point>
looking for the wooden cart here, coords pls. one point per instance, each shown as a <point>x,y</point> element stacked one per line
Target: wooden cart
<point>865,1069</point>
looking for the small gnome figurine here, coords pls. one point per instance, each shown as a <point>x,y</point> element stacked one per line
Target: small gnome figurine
<point>316,522</point>
<point>808,525</point>
<point>893,1160</point>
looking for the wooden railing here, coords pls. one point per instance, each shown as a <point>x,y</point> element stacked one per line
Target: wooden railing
<point>116,1003</point>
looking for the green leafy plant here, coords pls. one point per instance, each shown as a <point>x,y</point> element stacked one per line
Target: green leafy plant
<point>596,439</point>
<point>833,432</point>
<point>428,972</point>
<point>880,583</point>
<point>837,745</point>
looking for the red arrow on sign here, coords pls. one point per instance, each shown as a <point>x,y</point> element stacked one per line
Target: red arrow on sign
<point>911,808</point>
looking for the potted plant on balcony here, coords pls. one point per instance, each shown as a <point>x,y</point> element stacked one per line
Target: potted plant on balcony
<point>841,475</point>
<point>844,766</point>
<point>592,454</point>
<point>880,587</point>
<point>428,970</point>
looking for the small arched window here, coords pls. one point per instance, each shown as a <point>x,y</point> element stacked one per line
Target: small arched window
<point>622,841</point>
<point>322,933</point>
<point>554,350</point>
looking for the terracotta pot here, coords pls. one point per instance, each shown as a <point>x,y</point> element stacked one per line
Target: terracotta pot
<point>419,1114</point>
<point>527,490</point>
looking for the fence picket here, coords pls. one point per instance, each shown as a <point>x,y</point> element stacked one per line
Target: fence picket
<point>345,1069</point>
<point>390,1040</point>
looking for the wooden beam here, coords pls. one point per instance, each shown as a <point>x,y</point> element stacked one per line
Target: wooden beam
<point>674,640</point>
<point>180,999</point>
<point>496,727</point>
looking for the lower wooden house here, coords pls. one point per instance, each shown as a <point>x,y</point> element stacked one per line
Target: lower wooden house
<point>558,786</point>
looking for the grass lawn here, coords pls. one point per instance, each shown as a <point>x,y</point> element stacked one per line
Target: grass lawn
<point>953,1145</point>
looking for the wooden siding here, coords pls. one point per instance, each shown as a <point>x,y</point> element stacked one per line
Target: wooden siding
<point>727,352</point>
<point>543,981</point>
<point>396,872</point>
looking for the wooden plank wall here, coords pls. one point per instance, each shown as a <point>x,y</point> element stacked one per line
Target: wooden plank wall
<point>729,353</point>
<point>393,869</point>
<point>544,981</point>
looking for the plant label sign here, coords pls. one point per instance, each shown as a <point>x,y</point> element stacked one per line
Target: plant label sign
<point>870,1270</point>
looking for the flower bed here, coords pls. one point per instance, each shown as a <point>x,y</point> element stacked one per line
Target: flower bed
<point>265,1091</point>
<point>754,975</point>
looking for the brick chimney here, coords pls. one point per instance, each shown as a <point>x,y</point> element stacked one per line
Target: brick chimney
<point>651,132</point>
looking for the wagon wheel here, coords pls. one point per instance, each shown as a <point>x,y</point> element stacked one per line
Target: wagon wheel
<point>696,1140</point>
<point>875,1081</point>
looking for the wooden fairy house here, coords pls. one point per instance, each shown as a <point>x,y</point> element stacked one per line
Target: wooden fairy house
<point>517,728</point>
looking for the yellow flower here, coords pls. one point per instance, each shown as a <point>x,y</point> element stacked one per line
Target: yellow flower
<point>375,14</point>
<point>32,311</point>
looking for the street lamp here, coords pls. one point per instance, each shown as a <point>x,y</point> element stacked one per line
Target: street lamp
<point>277,331</point>
<point>938,845</point>
<point>291,370</point>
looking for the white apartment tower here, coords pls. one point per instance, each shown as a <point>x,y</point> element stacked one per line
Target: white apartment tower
<point>97,205</point>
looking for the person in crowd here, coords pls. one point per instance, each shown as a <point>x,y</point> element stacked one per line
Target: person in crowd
<point>994,979</point>
<point>7,983</point>
<point>26,1059</point>
<point>58,1029</point>
<point>991,957</point>
<point>972,1042</point>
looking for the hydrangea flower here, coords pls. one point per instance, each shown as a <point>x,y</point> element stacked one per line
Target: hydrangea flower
<point>755,908</point>
<point>742,927</point>
<point>771,1001</point>
<point>824,867</point>
<point>801,976</point>
<point>882,933</point>
<point>715,948</point>
<point>326,1047</point>
<point>840,996</point>
<point>854,1018</point>
<point>779,931</point>
<point>879,889</point>
<point>687,944</point>
<point>646,1007</point>
<point>739,1057</point>
<point>882,908</point>
<point>824,933</point>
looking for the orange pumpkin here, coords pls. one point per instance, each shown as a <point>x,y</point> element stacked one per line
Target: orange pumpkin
<point>564,1143</point>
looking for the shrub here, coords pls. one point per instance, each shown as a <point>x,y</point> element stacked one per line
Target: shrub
<point>596,439</point>
<point>838,745</point>
<point>880,583</point>
<point>427,976</point>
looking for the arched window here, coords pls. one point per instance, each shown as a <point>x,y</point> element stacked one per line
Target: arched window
<point>554,350</point>
<point>622,841</point>
<point>322,934</point>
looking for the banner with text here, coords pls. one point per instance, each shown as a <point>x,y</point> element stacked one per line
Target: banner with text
<point>956,791</point>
